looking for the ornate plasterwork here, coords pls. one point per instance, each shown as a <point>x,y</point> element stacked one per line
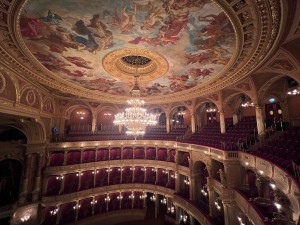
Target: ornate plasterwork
<point>257,27</point>
<point>2,83</point>
<point>114,65</point>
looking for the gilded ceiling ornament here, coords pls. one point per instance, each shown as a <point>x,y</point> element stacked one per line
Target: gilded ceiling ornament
<point>244,86</point>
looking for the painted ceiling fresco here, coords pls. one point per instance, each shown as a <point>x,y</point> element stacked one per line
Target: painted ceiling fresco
<point>71,38</point>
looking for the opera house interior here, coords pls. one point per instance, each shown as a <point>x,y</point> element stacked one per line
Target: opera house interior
<point>160,112</point>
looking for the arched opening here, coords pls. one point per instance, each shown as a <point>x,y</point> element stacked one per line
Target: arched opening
<point>180,116</point>
<point>10,177</point>
<point>80,121</point>
<point>105,121</point>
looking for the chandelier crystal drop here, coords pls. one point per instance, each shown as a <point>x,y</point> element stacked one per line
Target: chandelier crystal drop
<point>135,118</point>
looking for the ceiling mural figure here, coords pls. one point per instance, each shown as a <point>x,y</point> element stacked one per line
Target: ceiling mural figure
<point>70,38</point>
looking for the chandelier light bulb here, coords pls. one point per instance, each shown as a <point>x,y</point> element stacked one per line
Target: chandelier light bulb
<point>135,118</point>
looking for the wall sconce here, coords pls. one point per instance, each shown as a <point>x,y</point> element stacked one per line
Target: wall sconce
<point>94,202</point>
<point>203,192</point>
<point>174,176</point>
<point>108,170</point>
<point>273,186</point>
<point>54,212</point>
<point>107,199</point>
<point>240,220</point>
<point>183,218</point>
<point>61,177</point>
<point>131,196</point>
<point>186,181</point>
<point>132,168</point>
<point>120,197</point>
<point>79,174</point>
<point>107,114</point>
<point>77,206</point>
<point>143,196</point>
<point>81,115</point>
<point>171,209</point>
<point>120,169</point>
<point>95,172</point>
<point>163,201</point>
<point>217,205</point>
<point>25,218</point>
<point>165,171</point>
<point>154,170</point>
<point>153,198</point>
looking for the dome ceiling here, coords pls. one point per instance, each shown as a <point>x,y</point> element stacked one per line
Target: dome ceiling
<point>99,45</point>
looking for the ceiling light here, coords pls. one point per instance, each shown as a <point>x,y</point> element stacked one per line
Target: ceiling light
<point>135,118</point>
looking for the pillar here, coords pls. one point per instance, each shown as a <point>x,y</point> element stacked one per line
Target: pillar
<point>232,173</point>
<point>230,214</point>
<point>211,197</point>
<point>62,185</point>
<point>235,118</point>
<point>168,124</point>
<point>94,124</point>
<point>192,188</point>
<point>156,205</point>
<point>259,120</point>
<point>24,192</point>
<point>37,182</point>
<point>222,122</point>
<point>285,111</point>
<point>193,123</point>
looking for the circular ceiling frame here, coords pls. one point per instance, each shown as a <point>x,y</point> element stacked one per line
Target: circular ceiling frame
<point>114,64</point>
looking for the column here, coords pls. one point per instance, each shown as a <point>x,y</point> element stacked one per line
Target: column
<point>145,175</point>
<point>121,174</point>
<point>177,214</point>
<point>232,174</point>
<point>192,188</point>
<point>222,122</point>
<point>235,118</point>
<point>24,192</point>
<point>81,155</point>
<point>168,124</point>
<point>133,168</point>
<point>211,198</point>
<point>285,111</point>
<point>156,205</point>
<point>193,124</point>
<point>94,124</point>
<point>120,128</point>
<point>59,214</point>
<point>79,180</point>
<point>95,176</point>
<point>156,175</point>
<point>156,155</point>
<point>191,220</point>
<point>230,215</point>
<point>177,182</point>
<point>62,184</point>
<point>65,157</point>
<point>259,120</point>
<point>37,182</point>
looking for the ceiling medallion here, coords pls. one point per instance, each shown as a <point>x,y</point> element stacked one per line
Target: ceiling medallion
<point>122,63</point>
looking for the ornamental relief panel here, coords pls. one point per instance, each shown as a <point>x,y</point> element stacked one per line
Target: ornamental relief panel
<point>7,88</point>
<point>29,97</point>
<point>48,106</point>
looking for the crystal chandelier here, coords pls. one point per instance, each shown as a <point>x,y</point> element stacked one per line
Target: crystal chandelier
<point>135,118</point>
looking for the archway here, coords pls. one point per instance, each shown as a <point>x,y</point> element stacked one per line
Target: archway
<point>10,179</point>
